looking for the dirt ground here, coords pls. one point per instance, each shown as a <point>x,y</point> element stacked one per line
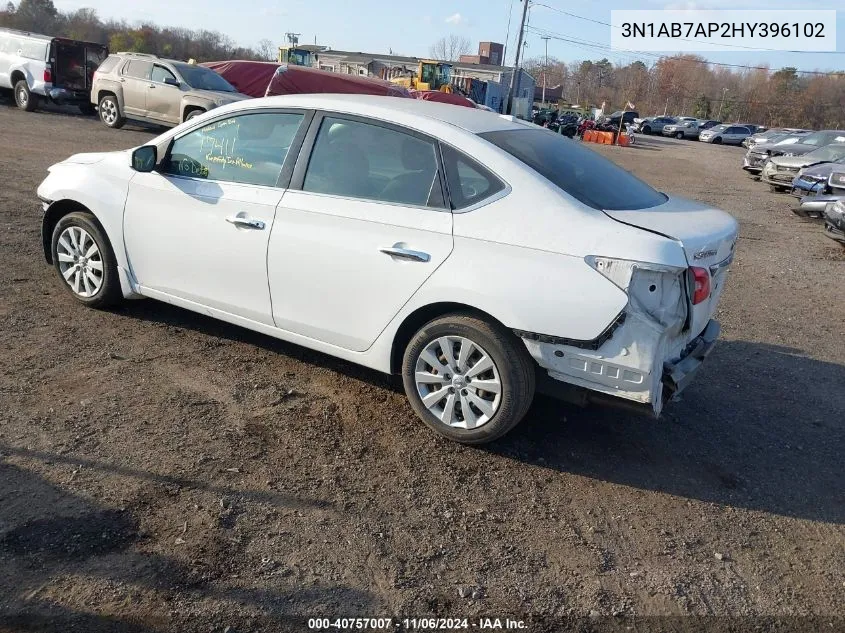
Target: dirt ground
<point>161,471</point>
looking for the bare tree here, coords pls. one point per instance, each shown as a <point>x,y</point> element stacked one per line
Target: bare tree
<point>450,48</point>
<point>267,50</point>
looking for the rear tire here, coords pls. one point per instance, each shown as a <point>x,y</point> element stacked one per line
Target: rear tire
<point>110,113</point>
<point>24,99</point>
<point>85,261</point>
<point>471,341</point>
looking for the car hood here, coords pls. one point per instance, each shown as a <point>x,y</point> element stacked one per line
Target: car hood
<point>822,170</point>
<point>796,161</point>
<point>707,234</point>
<point>87,158</point>
<point>797,149</point>
<point>218,95</point>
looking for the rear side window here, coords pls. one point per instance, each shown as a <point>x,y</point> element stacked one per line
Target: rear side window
<point>469,182</point>
<point>358,160</point>
<point>109,64</point>
<point>580,172</point>
<point>138,68</point>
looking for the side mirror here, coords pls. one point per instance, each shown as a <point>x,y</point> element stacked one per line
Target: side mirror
<point>170,81</point>
<point>144,158</point>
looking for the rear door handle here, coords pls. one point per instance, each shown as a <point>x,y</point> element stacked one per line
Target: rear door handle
<point>246,223</point>
<point>405,253</point>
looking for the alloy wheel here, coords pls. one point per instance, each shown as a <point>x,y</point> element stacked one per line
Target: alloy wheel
<point>80,261</point>
<point>458,382</point>
<point>23,98</point>
<point>108,111</point>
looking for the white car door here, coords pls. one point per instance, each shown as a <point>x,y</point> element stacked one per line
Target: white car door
<point>361,228</point>
<point>197,228</point>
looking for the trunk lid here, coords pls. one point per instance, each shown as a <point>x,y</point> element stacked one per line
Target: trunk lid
<point>707,235</point>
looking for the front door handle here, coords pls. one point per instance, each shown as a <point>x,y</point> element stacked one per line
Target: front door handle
<point>404,253</point>
<point>246,223</point>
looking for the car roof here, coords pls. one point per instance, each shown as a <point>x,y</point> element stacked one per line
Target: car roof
<point>473,120</point>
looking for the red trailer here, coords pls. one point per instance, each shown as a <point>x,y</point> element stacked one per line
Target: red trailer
<point>260,79</point>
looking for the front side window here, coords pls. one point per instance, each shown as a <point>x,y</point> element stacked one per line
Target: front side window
<point>202,78</point>
<point>160,73</point>
<point>248,149</point>
<point>138,69</point>
<point>359,160</point>
<point>580,172</point>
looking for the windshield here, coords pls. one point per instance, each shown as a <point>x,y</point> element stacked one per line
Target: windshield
<point>200,78</point>
<point>820,138</point>
<point>718,128</point>
<point>827,153</point>
<point>580,172</point>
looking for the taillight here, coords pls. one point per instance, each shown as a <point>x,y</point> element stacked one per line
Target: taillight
<point>701,279</point>
<point>48,76</point>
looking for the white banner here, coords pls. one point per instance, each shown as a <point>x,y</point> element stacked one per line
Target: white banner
<point>716,30</point>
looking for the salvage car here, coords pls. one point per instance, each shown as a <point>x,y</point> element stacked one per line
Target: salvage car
<point>810,142</point>
<point>816,186</point>
<point>768,135</point>
<point>42,68</point>
<point>145,87</point>
<point>758,154</point>
<point>471,254</point>
<point>727,134</point>
<point>652,124</point>
<point>780,171</point>
<point>687,128</point>
<point>834,221</point>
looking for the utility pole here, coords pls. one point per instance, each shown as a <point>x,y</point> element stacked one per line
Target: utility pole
<point>516,58</point>
<point>546,38</point>
<point>721,103</point>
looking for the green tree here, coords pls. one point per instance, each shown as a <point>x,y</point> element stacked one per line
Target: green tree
<point>701,107</point>
<point>36,15</point>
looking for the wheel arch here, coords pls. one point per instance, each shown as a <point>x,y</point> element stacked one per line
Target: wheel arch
<point>16,76</point>
<point>422,315</point>
<point>189,107</point>
<point>55,212</point>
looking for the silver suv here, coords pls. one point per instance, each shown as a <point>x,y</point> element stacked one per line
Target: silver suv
<point>163,91</point>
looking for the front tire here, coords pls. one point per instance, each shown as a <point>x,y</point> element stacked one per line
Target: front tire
<point>717,140</point>
<point>110,113</point>
<point>468,379</point>
<point>24,99</point>
<point>85,261</point>
<point>647,130</point>
<point>679,135</point>
<point>194,113</point>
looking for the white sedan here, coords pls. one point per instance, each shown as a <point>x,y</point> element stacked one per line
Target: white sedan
<point>477,256</point>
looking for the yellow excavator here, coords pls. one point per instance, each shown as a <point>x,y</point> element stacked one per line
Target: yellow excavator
<point>296,56</point>
<point>430,75</point>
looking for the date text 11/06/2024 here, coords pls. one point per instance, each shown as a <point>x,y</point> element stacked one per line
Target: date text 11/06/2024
<point>415,624</point>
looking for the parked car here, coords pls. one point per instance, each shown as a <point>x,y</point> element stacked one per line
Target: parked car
<point>727,134</point>
<point>614,119</point>
<point>652,125</point>
<point>759,153</point>
<point>42,67</point>
<point>753,127</point>
<point>706,124</point>
<point>780,171</point>
<point>834,220</point>
<point>163,91</point>
<point>768,135</point>
<point>817,185</point>
<point>391,204</point>
<point>809,143</point>
<point>682,129</point>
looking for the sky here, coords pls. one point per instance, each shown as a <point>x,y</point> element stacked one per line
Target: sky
<point>410,28</point>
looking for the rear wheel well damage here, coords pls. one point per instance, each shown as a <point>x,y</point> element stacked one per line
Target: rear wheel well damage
<point>419,317</point>
<point>55,212</point>
<point>16,77</point>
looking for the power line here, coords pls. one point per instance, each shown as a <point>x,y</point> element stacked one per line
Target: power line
<point>564,38</point>
<point>685,39</point>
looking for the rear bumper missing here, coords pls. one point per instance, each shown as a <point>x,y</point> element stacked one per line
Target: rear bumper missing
<point>677,375</point>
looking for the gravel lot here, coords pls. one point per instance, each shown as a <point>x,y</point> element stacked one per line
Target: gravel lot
<point>161,471</point>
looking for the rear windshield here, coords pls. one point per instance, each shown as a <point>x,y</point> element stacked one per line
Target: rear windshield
<point>200,78</point>
<point>580,172</point>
